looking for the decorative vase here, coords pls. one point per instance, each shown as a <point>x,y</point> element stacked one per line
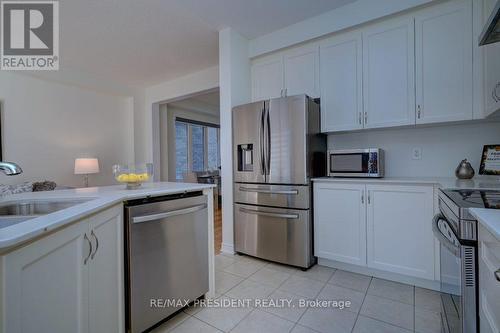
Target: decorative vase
<point>464,170</point>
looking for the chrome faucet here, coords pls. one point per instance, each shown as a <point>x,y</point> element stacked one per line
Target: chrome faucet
<point>10,168</point>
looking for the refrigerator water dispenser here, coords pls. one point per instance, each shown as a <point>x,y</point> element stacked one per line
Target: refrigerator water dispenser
<point>245,157</point>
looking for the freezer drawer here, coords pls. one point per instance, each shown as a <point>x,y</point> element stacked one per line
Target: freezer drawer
<point>276,234</point>
<point>286,196</point>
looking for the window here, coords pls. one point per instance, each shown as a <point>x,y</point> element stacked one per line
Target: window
<point>181,149</point>
<point>196,147</point>
<point>213,148</point>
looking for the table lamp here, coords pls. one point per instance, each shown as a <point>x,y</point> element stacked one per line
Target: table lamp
<point>86,166</point>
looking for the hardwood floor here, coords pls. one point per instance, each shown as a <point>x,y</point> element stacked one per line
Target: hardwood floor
<point>218,229</point>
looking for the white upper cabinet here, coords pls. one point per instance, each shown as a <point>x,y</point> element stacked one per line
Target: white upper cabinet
<point>301,68</point>
<point>399,229</point>
<point>418,68</point>
<point>444,62</point>
<point>340,222</point>
<point>292,72</point>
<point>388,73</point>
<point>491,68</point>
<point>341,83</point>
<point>267,77</point>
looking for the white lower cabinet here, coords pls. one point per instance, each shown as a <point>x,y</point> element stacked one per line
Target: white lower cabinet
<point>106,285</point>
<point>70,281</point>
<point>340,222</point>
<point>399,229</point>
<point>384,227</point>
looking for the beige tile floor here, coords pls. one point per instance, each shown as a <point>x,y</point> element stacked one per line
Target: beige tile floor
<point>378,306</point>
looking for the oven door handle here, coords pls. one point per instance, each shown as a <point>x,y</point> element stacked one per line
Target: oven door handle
<point>442,239</point>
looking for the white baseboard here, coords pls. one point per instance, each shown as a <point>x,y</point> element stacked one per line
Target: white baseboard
<point>227,248</point>
<point>419,282</point>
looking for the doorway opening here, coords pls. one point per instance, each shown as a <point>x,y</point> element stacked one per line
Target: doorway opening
<point>190,146</point>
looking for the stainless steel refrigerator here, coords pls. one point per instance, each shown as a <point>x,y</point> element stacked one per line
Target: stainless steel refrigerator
<point>277,149</point>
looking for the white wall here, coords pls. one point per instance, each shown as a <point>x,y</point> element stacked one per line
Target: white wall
<point>234,68</point>
<point>146,118</point>
<point>46,125</point>
<point>443,147</point>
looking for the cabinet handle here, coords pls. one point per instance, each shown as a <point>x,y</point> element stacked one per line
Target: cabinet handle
<point>96,244</point>
<point>362,198</point>
<point>360,120</point>
<point>90,249</point>
<point>497,274</point>
<point>369,199</point>
<point>366,117</point>
<point>286,92</point>
<point>419,111</point>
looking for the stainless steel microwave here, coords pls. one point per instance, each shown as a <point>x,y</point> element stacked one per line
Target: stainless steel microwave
<point>356,163</point>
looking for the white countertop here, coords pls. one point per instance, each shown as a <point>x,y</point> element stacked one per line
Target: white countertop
<point>478,182</point>
<point>99,199</point>
<point>489,218</point>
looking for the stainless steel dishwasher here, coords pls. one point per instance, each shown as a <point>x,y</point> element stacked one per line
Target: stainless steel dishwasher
<point>166,249</point>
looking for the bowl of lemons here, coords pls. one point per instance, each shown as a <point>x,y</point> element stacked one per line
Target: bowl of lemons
<point>133,175</point>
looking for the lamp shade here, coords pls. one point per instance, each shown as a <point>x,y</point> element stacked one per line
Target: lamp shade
<point>85,166</point>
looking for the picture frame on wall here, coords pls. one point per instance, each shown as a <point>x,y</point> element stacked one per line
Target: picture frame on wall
<point>490,160</point>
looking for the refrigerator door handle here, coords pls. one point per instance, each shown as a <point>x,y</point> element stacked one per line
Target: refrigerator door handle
<point>268,157</point>
<point>261,139</point>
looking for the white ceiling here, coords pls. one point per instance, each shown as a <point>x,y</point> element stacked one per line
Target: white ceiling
<point>143,42</point>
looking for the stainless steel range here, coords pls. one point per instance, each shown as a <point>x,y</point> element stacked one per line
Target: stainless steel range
<point>456,230</point>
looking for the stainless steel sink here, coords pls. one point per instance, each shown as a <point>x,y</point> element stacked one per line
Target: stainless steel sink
<point>15,212</point>
<point>36,207</point>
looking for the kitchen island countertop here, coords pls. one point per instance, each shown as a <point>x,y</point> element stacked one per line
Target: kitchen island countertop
<point>97,199</point>
<point>489,218</point>
<point>478,182</point>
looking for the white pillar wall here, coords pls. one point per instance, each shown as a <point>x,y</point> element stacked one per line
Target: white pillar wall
<point>234,83</point>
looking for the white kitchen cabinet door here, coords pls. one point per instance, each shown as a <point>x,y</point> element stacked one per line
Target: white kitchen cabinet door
<point>341,83</point>
<point>491,67</point>
<point>46,284</point>
<point>399,229</point>
<point>340,222</point>
<point>267,77</point>
<point>106,285</point>
<point>389,73</point>
<point>301,66</point>
<point>489,286</point>
<point>444,62</point>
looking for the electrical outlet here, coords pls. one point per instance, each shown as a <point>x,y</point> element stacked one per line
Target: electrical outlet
<point>416,153</point>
